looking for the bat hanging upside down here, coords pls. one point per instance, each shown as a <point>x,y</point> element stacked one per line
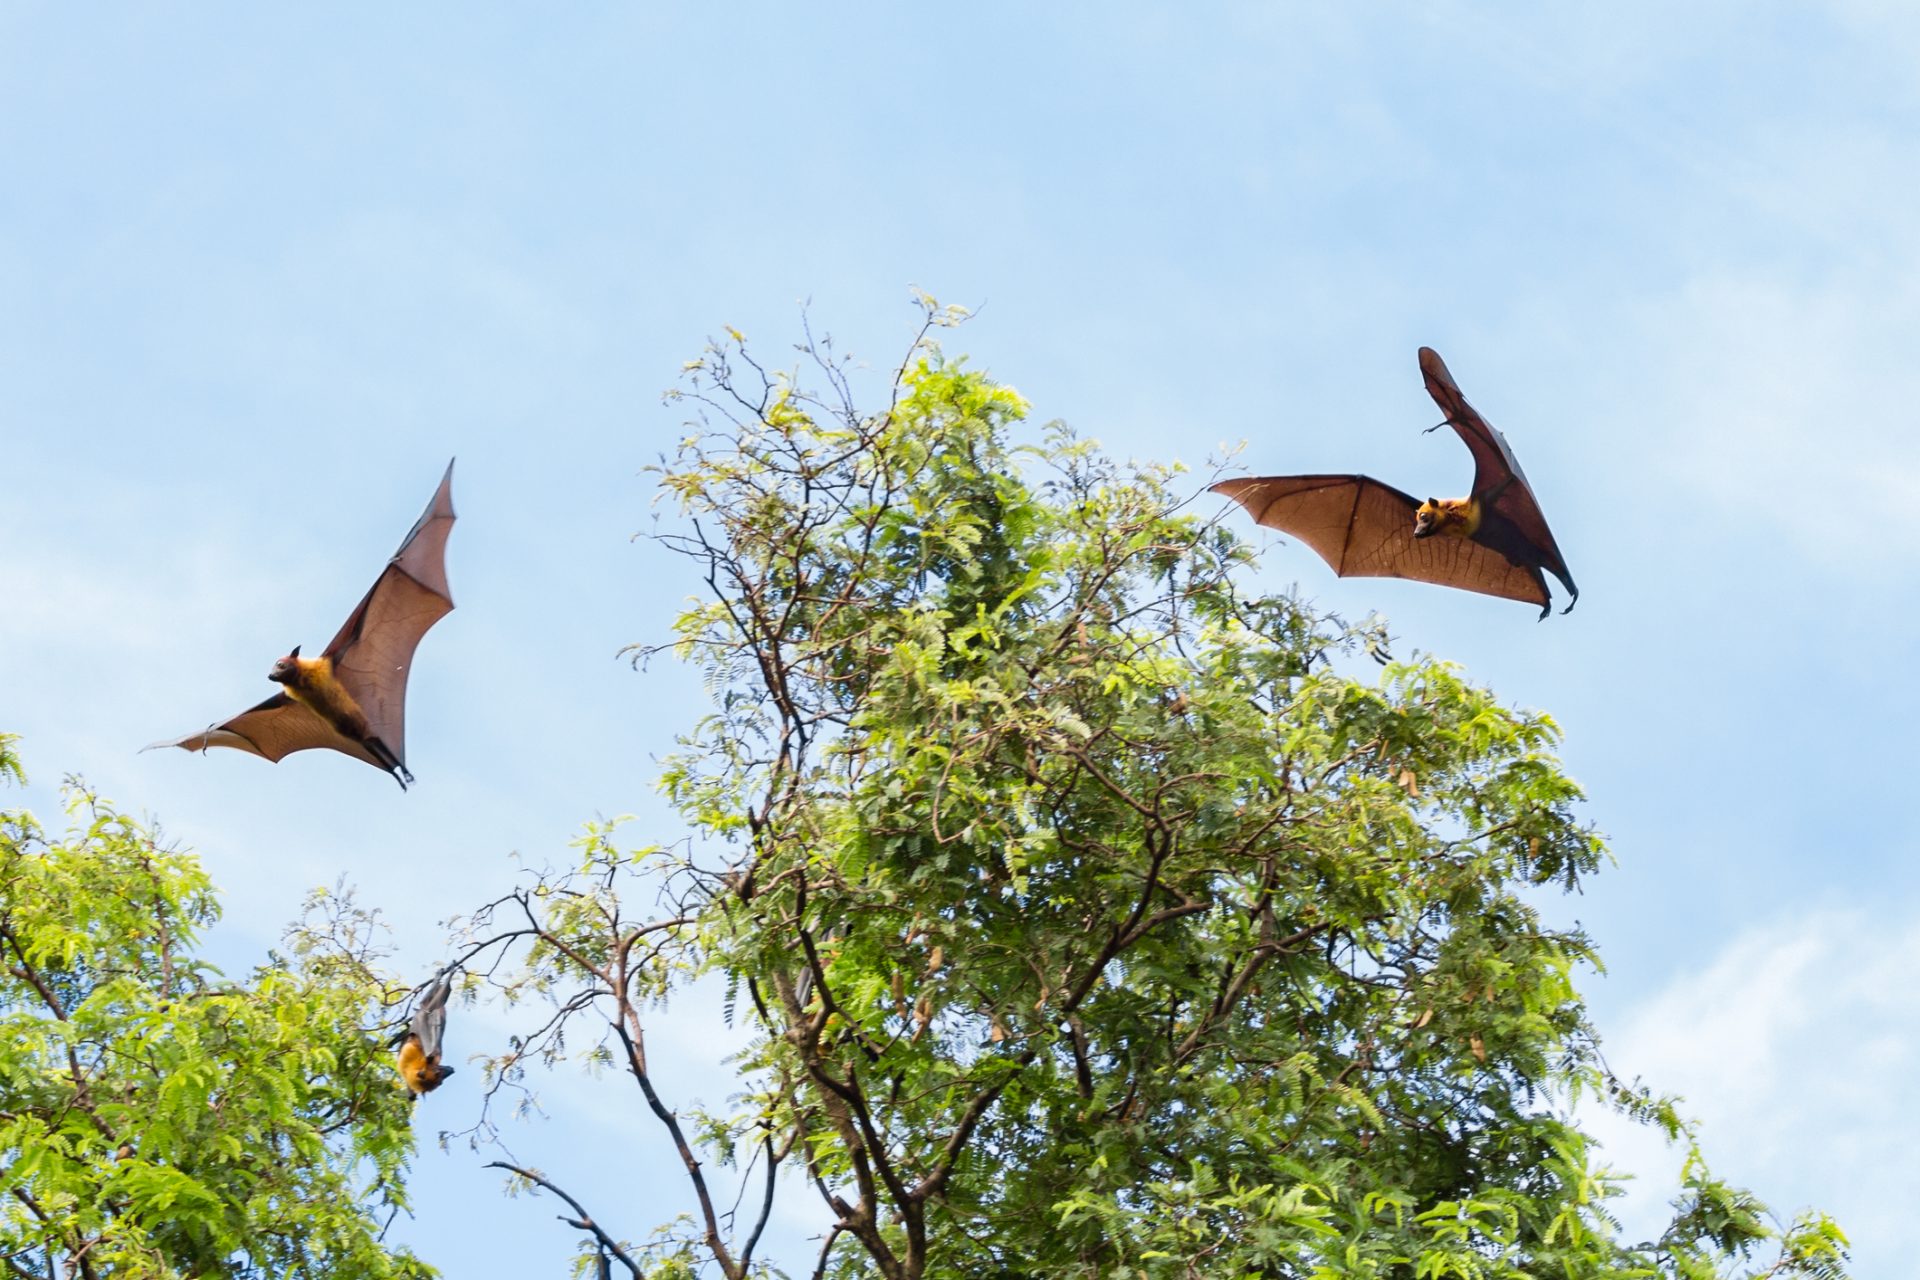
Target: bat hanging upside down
<point>353,697</point>
<point>420,1068</point>
<point>1493,541</point>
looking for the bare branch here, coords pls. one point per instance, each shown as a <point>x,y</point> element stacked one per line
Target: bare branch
<point>581,1220</point>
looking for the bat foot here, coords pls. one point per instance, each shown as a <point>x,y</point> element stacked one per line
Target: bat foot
<point>390,762</point>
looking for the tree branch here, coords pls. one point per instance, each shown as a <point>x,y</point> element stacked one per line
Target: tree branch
<point>635,1064</point>
<point>582,1221</point>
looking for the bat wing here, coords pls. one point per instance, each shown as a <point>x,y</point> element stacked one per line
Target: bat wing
<point>374,648</point>
<point>1364,529</point>
<point>430,1019</point>
<point>1523,532</point>
<point>274,729</point>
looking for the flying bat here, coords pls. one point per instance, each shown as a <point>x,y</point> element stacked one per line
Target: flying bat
<point>353,697</point>
<point>1494,541</point>
<point>420,1068</point>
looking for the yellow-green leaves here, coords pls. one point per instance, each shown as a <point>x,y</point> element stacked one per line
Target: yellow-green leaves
<point>157,1118</point>
<point>1097,917</point>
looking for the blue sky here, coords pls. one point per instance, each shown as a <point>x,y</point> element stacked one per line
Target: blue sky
<point>262,271</point>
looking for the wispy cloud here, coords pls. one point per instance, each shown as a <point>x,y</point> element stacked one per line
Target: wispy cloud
<point>1789,1049</point>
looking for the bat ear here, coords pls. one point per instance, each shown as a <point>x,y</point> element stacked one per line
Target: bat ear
<point>1432,502</point>
<point>295,653</point>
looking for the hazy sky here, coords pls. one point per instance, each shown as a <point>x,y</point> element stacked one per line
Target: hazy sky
<point>262,271</point>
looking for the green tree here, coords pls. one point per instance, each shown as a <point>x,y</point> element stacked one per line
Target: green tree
<point>1093,915</point>
<point>157,1120</point>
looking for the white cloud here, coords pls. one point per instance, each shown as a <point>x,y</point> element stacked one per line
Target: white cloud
<point>1790,1049</point>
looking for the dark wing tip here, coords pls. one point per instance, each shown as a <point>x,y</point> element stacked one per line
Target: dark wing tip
<point>1573,598</point>
<point>1434,367</point>
<point>439,507</point>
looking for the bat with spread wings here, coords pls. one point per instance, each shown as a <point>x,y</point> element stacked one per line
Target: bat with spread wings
<point>1494,541</point>
<point>420,1068</point>
<point>353,697</point>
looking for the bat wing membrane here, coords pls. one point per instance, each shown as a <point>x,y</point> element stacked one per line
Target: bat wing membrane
<point>1494,462</point>
<point>273,729</point>
<point>374,648</point>
<point>1364,529</point>
<point>430,1019</point>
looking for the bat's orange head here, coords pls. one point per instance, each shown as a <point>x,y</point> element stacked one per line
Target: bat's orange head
<point>420,1073</point>
<point>1454,517</point>
<point>286,670</point>
<point>426,1078</point>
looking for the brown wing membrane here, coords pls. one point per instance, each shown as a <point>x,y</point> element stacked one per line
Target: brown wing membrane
<point>371,655</point>
<point>1493,463</point>
<point>374,649</point>
<point>274,730</point>
<point>1364,529</point>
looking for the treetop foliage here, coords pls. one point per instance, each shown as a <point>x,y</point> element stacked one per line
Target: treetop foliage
<point>156,1118</point>
<point>1093,915</point>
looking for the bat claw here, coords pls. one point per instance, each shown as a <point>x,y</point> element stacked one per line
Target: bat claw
<point>389,761</point>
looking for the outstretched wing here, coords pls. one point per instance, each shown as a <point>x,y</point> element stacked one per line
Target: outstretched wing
<point>374,648</point>
<point>1364,529</point>
<point>430,1019</point>
<point>274,729</point>
<point>1493,462</point>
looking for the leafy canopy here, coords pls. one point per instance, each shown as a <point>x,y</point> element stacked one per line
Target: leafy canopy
<point>1094,916</point>
<point>155,1119</point>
